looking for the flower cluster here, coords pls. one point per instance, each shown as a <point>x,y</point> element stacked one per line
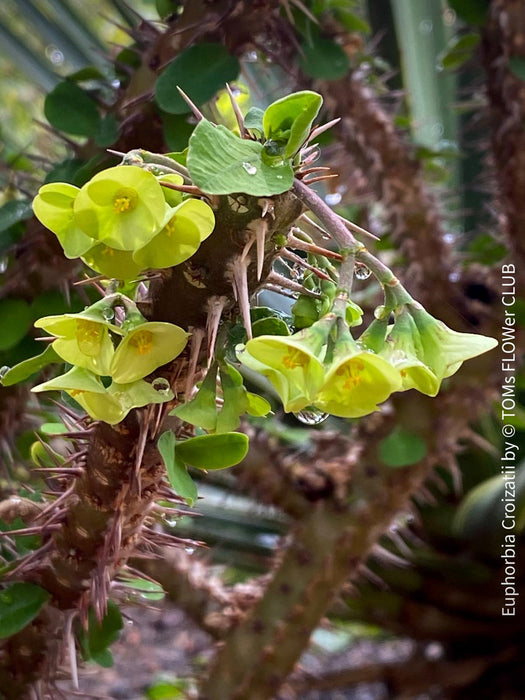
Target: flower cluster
<point>98,348</point>
<point>324,367</point>
<point>123,221</point>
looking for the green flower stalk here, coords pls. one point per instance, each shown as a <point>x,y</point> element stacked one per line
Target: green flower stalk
<point>146,347</point>
<point>292,364</point>
<point>53,207</point>
<point>123,207</point>
<point>356,379</point>
<point>83,339</point>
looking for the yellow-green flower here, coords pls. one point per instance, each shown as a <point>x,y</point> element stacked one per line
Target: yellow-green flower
<point>109,405</point>
<point>185,227</point>
<point>146,347</point>
<point>123,207</point>
<point>118,264</point>
<point>293,364</point>
<point>83,339</point>
<point>53,207</point>
<point>440,348</point>
<point>401,349</point>
<point>88,391</point>
<point>356,380</point>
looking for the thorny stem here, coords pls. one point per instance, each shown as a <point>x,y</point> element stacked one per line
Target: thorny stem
<point>344,287</point>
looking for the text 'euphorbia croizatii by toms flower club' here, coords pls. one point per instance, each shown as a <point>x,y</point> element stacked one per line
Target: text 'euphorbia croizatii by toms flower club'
<point>154,213</point>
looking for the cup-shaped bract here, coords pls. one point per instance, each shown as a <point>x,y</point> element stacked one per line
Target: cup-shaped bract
<point>117,264</point>
<point>356,380</point>
<point>292,364</point>
<point>53,207</point>
<point>123,207</point>
<point>185,227</point>
<point>88,391</point>
<point>442,349</point>
<point>403,349</point>
<point>146,347</point>
<point>83,339</point>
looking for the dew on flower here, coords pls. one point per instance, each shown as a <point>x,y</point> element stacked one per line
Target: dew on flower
<point>311,416</point>
<point>161,385</point>
<point>89,337</point>
<point>362,272</point>
<point>142,342</point>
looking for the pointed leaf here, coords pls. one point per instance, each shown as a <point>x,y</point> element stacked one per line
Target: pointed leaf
<point>181,482</point>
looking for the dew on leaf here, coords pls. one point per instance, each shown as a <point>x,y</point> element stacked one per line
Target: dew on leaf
<point>379,312</point>
<point>161,385</point>
<point>250,169</point>
<point>108,313</point>
<point>311,416</point>
<point>4,263</point>
<point>4,370</point>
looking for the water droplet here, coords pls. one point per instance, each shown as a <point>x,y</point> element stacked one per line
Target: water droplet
<point>109,313</point>
<point>161,385</point>
<point>250,56</point>
<point>426,26</point>
<point>362,272</point>
<point>4,263</point>
<point>189,550</point>
<point>279,177</point>
<point>333,198</point>
<point>115,83</point>
<point>449,238</point>
<point>3,371</point>
<point>113,284</point>
<point>454,276</point>
<point>250,169</point>
<point>311,416</point>
<point>379,312</point>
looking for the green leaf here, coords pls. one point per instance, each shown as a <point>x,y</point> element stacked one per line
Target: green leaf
<point>107,132</point>
<point>202,409</point>
<point>324,59</point>
<point>15,321</point>
<point>178,476</point>
<point>13,212</point>
<point>517,67</point>
<point>177,130</point>
<point>471,11</point>
<point>235,399</point>
<point>201,70</point>
<point>221,163</point>
<point>253,120</point>
<point>144,589</point>
<point>257,405</point>
<point>19,604</point>
<point>290,119</point>
<point>167,690</point>
<point>459,51</point>
<point>101,635</point>
<point>213,451</point>
<point>25,369</point>
<point>270,326</point>
<point>70,109</point>
<point>402,448</point>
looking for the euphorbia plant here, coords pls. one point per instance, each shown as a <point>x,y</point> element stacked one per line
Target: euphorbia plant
<point>206,228</point>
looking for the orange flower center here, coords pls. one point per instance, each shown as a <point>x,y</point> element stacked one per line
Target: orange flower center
<point>170,227</point>
<point>142,342</point>
<point>351,373</point>
<point>295,358</point>
<point>76,392</point>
